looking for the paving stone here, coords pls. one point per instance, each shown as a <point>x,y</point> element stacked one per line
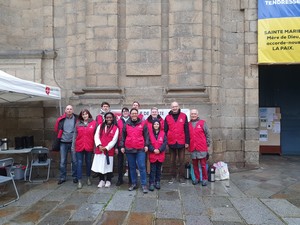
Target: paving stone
<point>254,212</point>
<point>187,191</point>
<point>140,218</point>
<point>34,213</point>
<point>99,198</point>
<point>76,198</point>
<point>295,201</point>
<point>196,220</point>
<point>258,192</point>
<point>212,189</point>
<point>227,223</point>
<point>225,214</point>
<point>244,184</point>
<point>79,223</point>
<point>168,195</point>
<point>168,222</point>
<point>192,204</point>
<point>112,218</point>
<point>223,202</point>
<point>58,216</point>
<point>141,204</point>
<point>87,212</point>
<point>282,207</point>
<point>214,202</point>
<point>31,197</point>
<point>169,209</point>
<point>121,201</point>
<point>292,221</point>
<point>7,213</point>
<point>232,189</point>
<point>58,195</point>
<point>206,191</point>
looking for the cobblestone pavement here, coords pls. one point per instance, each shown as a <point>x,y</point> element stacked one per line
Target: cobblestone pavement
<point>267,195</point>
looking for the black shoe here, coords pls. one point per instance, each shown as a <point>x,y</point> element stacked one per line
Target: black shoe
<point>132,187</point>
<point>119,183</point>
<point>61,181</point>
<point>75,180</point>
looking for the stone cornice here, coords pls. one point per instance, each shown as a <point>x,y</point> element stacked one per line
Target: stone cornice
<point>28,54</point>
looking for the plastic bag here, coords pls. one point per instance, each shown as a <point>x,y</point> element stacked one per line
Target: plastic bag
<point>221,172</point>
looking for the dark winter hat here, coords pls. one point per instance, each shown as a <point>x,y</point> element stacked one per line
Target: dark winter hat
<point>154,121</point>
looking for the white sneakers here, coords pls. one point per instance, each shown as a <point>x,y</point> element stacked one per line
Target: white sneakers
<point>102,183</point>
<point>107,184</point>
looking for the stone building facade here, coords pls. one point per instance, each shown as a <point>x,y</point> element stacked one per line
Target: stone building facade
<point>201,53</point>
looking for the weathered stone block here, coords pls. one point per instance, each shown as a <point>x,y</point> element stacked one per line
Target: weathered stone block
<point>143,69</point>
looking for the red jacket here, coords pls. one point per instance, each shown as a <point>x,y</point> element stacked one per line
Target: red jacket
<point>157,144</point>
<point>135,136</point>
<point>105,138</point>
<point>99,119</point>
<point>84,136</point>
<point>121,123</point>
<point>197,137</point>
<point>176,129</point>
<point>150,120</point>
<point>59,124</point>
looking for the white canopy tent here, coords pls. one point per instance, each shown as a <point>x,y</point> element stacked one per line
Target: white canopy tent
<point>13,89</point>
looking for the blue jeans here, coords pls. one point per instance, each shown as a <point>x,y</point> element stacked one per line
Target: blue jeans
<point>88,163</point>
<point>155,172</point>
<point>64,149</point>
<point>138,158</point>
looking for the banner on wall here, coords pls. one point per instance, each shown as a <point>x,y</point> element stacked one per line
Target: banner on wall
<point>147,112</point>
<point>278,31</point>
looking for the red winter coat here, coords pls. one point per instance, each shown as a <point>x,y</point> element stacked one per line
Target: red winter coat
<point>84,139</point>
<point>157,143</point>
<point>59,124</point>
<point>135,136</point>
<point>197,137</point>
<point>176,129</point>
<point>105,138</point>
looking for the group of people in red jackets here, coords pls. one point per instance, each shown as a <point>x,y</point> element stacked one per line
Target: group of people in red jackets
<point>136,138</point>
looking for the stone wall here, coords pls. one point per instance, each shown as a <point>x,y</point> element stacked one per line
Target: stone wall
<point>202,54</point>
